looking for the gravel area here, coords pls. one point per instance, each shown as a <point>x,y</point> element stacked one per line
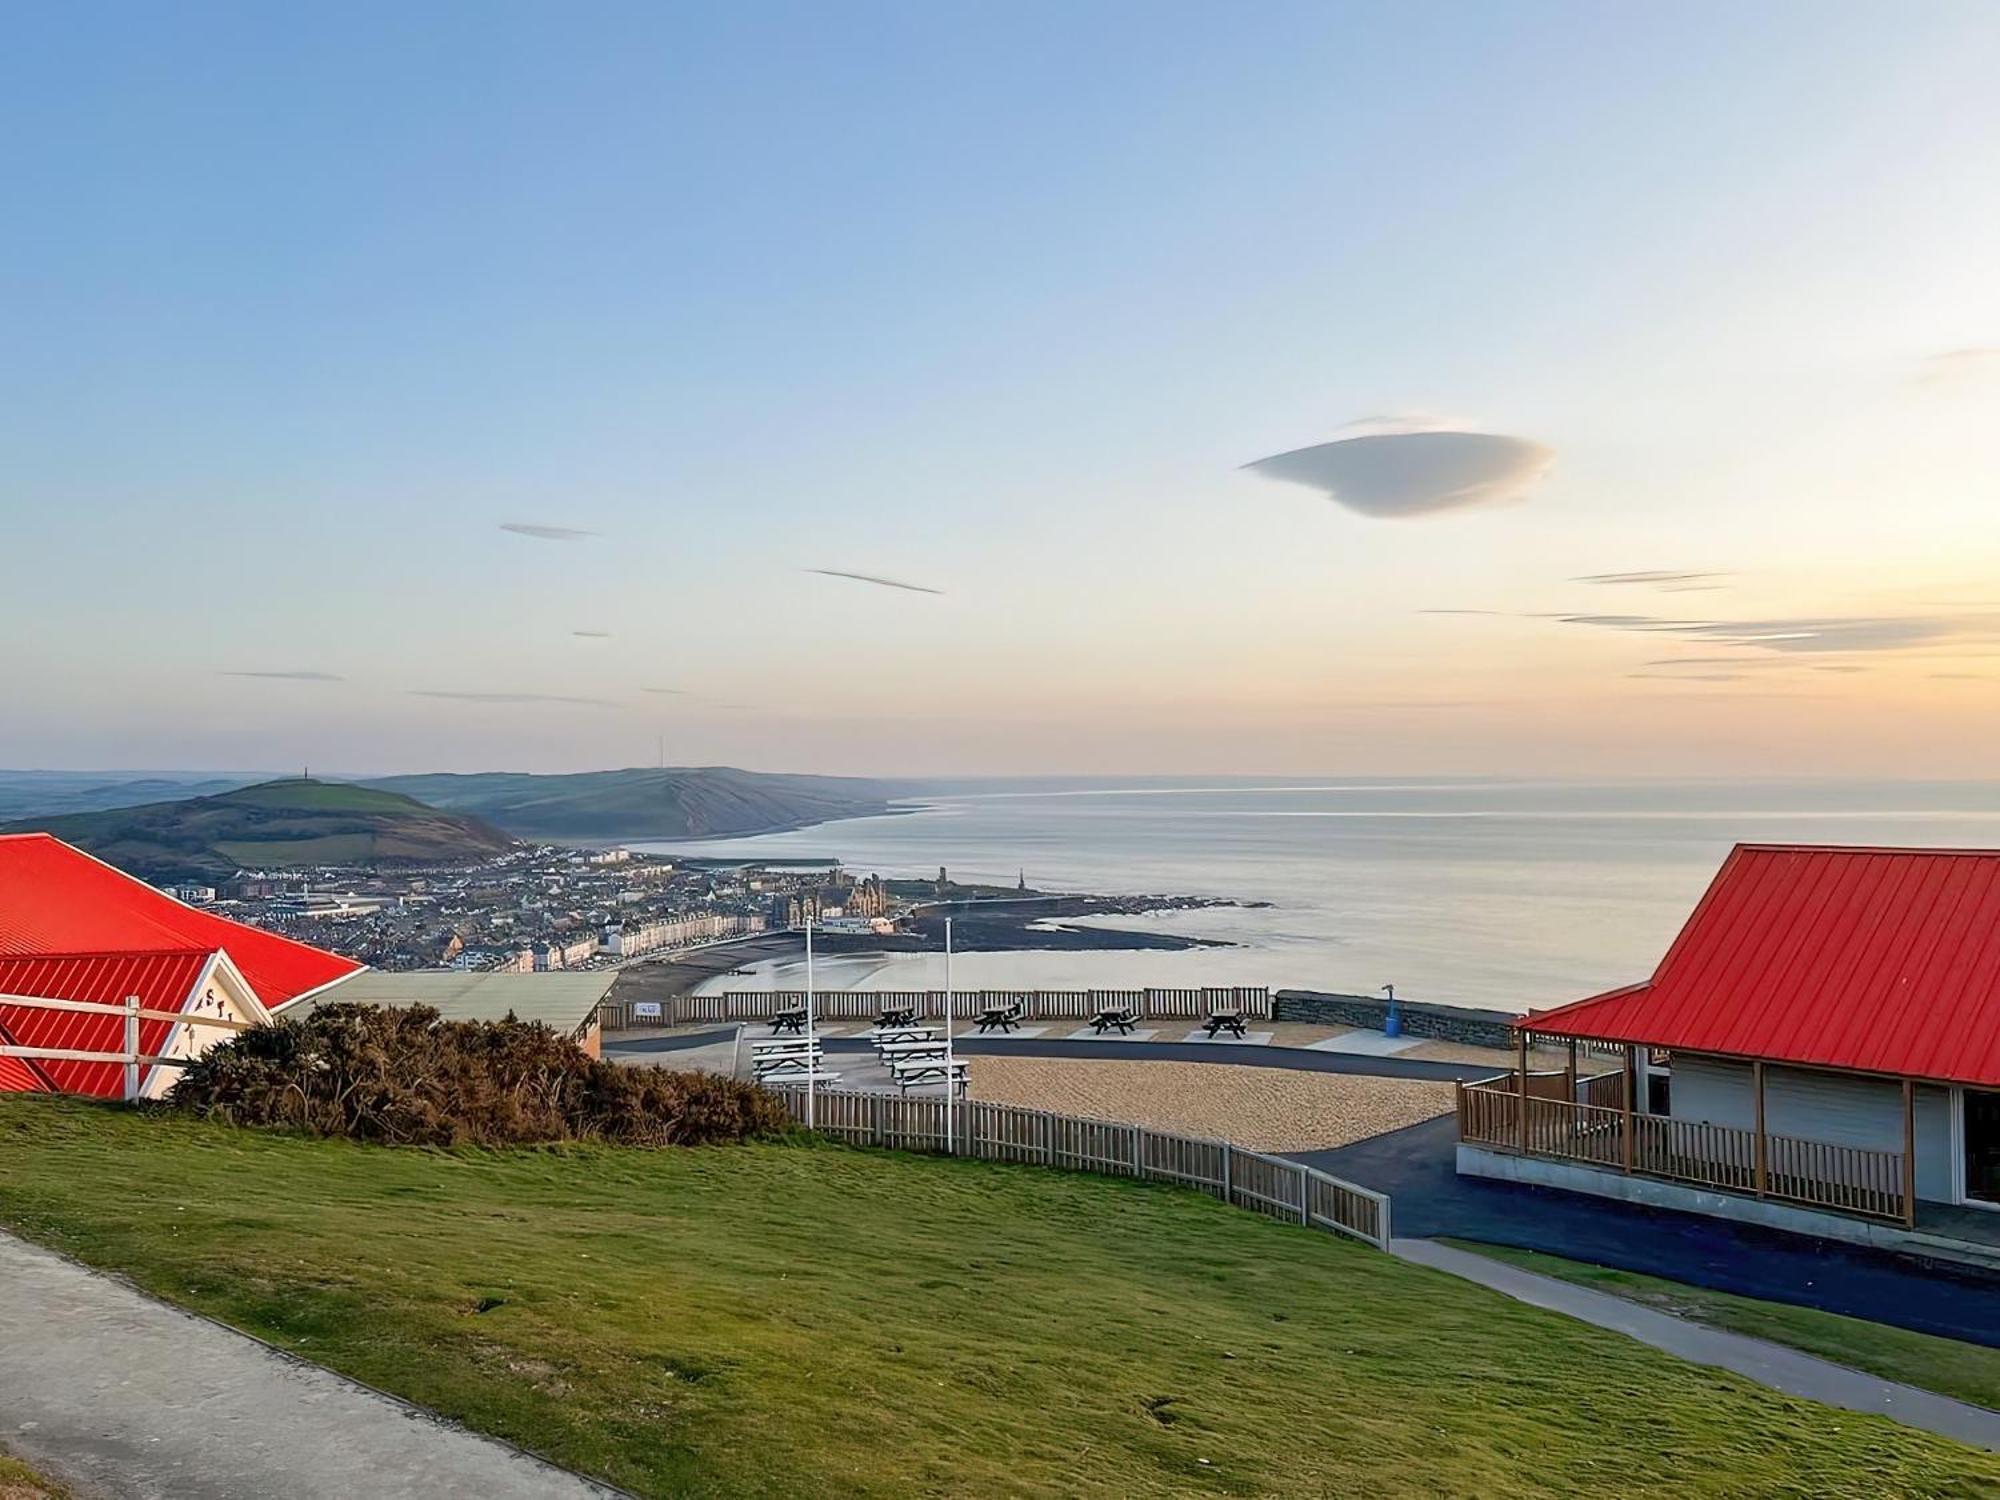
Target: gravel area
<point>1267,1109</point>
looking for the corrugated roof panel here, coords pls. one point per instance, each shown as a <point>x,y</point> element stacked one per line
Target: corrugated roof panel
<point>1879,960</point>
<point>57,899</point>
<point>162,981</point>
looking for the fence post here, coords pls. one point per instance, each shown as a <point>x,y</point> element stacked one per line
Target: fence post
<point>1049,1136</point>
<point>1305,1196</point>
<point>131,1047</point>
<point>1138,1158</point>
<point>1228,1173</point>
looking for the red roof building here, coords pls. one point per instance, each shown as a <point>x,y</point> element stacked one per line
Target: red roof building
<point>76,931</point>
<point>1825,1032</point>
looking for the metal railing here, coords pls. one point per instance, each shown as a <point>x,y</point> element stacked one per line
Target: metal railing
<point>1818,1174</point>
<point>1270,1185</point>
<point>1036,1005</point>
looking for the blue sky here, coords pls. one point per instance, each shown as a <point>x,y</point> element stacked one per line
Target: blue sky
<point>306,302</point>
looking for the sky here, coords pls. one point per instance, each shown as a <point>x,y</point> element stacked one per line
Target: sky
<point>960,388</point>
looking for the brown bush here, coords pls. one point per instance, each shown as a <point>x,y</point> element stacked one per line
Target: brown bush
<point>408,1077</point>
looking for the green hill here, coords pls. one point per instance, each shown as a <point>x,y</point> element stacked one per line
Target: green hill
<point>275,825</point>
<point>667,803</point>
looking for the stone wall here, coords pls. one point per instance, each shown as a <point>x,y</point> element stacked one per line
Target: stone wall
<point>1443,1023</point>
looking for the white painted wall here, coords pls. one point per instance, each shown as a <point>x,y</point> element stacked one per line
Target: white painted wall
<point>1814,1106</point>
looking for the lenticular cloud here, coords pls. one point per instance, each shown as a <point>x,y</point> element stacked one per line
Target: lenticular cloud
<point>1394,474</point>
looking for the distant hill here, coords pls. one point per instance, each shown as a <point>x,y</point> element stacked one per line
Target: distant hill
<point>48,794</point>
<point>274,825</point>
<point>670,803</point>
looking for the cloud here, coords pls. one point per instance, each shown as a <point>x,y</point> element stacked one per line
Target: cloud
<point>1806,634</point>
<point>591,635</point>
<point>1462,612</point>
<point>1958,366</point>
<point>463,697</point>
<point>887,583</point>
<point>671,692</point>
<point>1393,474</point>
<point>545,533</point>
<point>1648,576</point>
<point>298,675</point>
<point>1690,676</point>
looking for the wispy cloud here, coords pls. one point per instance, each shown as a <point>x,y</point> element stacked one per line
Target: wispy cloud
<point>670,692</point>
<point>1957,366</point>
<point>546,533</point>
<point>1803,634</point>
<point>879,582</point>
<point>591,635</point>
<point>294,675</point>
<point>1389,474</point>
<point>1653,576</point>
<point>469,697</point>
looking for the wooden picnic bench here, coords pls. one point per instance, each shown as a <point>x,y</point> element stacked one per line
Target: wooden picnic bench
<point>902,1034</point>
<point>789,1020</point>
<point>1220,1021</point>
<point>1001,1017</point>
<point>798,1070</point>
<point>909,1073</point>
<point>1119,1018</point>
<point>896,1015</point>
<point>895,1052</point>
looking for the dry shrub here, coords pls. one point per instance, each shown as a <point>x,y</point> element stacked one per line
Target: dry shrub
<point>408,1077</point>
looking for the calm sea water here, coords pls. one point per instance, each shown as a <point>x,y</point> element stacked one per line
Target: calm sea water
<point>1485,893</point>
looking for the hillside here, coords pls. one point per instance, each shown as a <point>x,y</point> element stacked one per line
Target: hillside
<point>274,825</point>
<point>791,1319</point>
<point>645,803</point>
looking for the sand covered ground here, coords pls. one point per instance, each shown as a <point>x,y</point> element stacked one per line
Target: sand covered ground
<point>1267,1109</point>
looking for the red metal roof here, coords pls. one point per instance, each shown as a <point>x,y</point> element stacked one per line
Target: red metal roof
<point>57,899</point>
<point>1877,960</point>
<point>162,981</point>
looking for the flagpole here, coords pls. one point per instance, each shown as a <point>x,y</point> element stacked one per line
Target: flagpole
<point>950,1085</point>
<point>812,1066</point>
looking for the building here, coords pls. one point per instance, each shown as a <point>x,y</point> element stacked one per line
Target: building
<point>80,941</point>
<point>566,1003</point>
<point>1819,1050</point>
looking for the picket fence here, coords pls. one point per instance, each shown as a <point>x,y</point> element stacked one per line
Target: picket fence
<point>1269,1185</point>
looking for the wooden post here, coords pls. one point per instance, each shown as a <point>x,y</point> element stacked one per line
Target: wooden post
<point>1631,1087</point>
<point>1305,1196</point>
<point>1572,1070</point>
<point>1228,1173</point>
<point>1521,1088</point>
<point>1763,1178</point>
<point>1909,1153</point>
<point>131,1047</point>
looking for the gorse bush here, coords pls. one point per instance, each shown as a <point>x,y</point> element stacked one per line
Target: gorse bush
<point>408,1077</point>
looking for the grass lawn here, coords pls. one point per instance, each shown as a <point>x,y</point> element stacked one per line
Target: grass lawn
<point>19,1482</point>
<point>804,1319</point>
<point>1971,1372</point>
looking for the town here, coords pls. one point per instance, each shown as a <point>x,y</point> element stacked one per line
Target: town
<point>547,907</point>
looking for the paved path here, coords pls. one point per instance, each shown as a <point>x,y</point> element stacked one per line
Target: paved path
<point>129,1399</point>
<point>1768,1364</point>
<point>1415,1167</point>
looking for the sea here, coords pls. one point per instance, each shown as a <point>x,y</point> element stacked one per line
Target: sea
<point>1500,894</point>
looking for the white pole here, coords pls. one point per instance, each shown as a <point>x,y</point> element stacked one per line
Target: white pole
<point>950,1085</point>
<point>812,1067</point>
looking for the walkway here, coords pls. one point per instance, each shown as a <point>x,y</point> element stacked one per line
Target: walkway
<point>1416,1168</point>
<point>122,1396</point>
<point>1768,1364</point>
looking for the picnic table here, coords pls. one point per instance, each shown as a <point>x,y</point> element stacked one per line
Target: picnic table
<point>903,1034</point>
<point>1220,1021</point>
<point>895,1052</point>
<point>766,1061</point>
<point>789,1020</point>
<point>1000,1017</point>
<point>1121,1018</point>
<point>909,1073</point>
<point>798,1070</point>
<point>896,1015</point>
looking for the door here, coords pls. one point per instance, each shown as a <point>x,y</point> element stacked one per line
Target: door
<point>1982,1145</point>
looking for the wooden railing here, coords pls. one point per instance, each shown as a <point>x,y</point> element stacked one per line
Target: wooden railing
<point>1036,1005</point>
<point>1819,1174</point>
<point>131,1011</point>
<point>1251,1180</point>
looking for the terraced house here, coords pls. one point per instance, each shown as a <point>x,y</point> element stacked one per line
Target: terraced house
<point>1818,1050</point>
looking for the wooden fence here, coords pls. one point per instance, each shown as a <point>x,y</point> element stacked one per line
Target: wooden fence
<point>1263,1184</point>
<point>1817,1174</point>
<point>1036,1005</point>
<point>128,1056</point>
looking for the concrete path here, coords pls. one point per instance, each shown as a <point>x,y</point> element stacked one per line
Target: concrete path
<point>1773,1365</point>
<point>129,1399</point>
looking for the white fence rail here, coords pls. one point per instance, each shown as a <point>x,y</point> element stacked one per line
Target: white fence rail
<point>1251,1180</point>
<point>1036,1005</point>
<point>128,1056</point>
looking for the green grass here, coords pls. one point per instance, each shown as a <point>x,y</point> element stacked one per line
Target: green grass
<point>1971,1372</point>
<point>19,1482</point>
<point>799,1319</point>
